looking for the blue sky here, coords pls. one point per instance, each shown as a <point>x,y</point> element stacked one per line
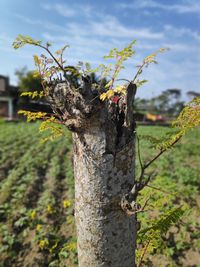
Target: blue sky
<point>92,28</point>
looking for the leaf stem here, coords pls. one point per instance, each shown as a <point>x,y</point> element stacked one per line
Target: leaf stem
<point>143,254</point>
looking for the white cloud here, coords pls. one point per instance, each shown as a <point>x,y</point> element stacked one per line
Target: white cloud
<point>111,26</point>
<point>99,25</point>
<point>181,32</point>
<point>179,47</point>
<point>63,10</point>
<point>69,10</point>
<point>187,7</point>
<point>42,23</point>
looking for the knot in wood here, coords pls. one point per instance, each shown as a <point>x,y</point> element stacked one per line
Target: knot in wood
<point>129,205</point>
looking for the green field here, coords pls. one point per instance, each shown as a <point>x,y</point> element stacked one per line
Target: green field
<point>36,199</point>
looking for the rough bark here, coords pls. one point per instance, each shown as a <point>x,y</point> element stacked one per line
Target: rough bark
<point>104,158</point>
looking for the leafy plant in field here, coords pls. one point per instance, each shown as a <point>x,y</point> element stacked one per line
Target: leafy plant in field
<point>7,238</point>
<point>15,211</point>
<point>173,183</point>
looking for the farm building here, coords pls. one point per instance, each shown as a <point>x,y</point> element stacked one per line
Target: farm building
<point>8,98</point>
<point>10,102</point>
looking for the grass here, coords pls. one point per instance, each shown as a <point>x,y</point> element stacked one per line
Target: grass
<point>36,199</point>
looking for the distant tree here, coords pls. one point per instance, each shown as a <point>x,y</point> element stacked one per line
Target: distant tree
<point>173,104</point>
<point>28,80</point>
<point>168,102</point>
<point>192,94</point>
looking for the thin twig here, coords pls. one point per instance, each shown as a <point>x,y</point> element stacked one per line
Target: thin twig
<point>139,153</point>
<point>156,188</point>
<point>138,72</point>
<point>143,254</point>
<point>94,98</point>
<point>139,211</point>
<point>146,202</point>
<point>145,166</point>
<point>123,80</point>
<point>145,183</point>
<point>141,175</point>
<point>56,61</point>
<point>160,153</point>
<point>49,52</point>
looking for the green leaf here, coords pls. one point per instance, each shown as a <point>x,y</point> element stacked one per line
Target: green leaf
<point>22,40</point>
<point>163,223</point>
<point>61,51</point>
<point>139,83</point>
<point>64,254</point>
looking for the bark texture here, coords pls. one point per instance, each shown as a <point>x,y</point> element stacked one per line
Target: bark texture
<point>103,139</point>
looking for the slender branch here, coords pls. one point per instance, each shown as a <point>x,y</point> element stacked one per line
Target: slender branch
<point>140,184</point>
<point>123,80</point>
<point>141,175</point>
<point>139,154</point>
<point>156,188</point>
<point>117,68</point>
<point>160,153</point>
<point>150,177</point>
<point>138,72</point>
<point>145,166</point>
<point>57,121</point>
<point>143,254</point>
<point>95,98</point>
<point>61,57</point>
<point>141,211</point>
<point>145,203</point>
<point>56,61</point>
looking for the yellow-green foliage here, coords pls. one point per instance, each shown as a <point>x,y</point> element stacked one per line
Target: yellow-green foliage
<point>151,237</point>
<point>22,40</point>
<point>164,222</point>
<point>120,57</point>
<point>50,125</point>
<point>32,116</point>
<point>111,92</point>
<point>33,95</point>
<point>189,116</point>
<point>188,119</point>
<point>47,70</point>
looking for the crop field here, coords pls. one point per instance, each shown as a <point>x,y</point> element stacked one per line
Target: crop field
<point>37,199</point>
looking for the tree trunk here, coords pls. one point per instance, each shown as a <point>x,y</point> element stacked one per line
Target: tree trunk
<point>106,235</point>
<point>104,160</point>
